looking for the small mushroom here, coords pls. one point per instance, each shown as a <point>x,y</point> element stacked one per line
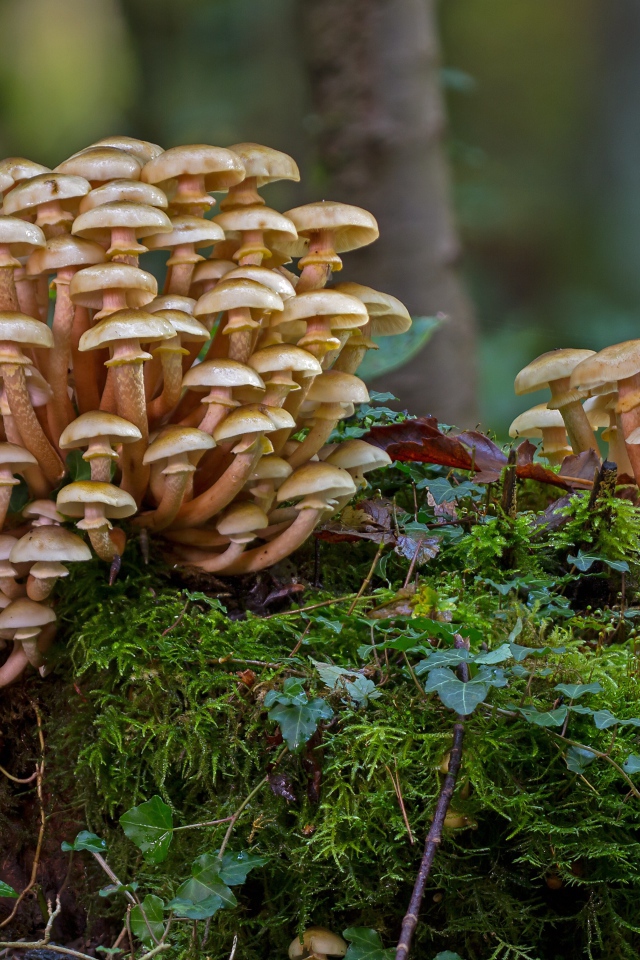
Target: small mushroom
<point>258,228</point>
<point>31,627</point>
<point>539,421</point>
<point>178,450</point>
<point>169,355</point>
<point>8,572</point>
<point>238,298</point>
<point>317,943</point>
<point>357,457</point>
<point>194,170</point>
<point>95,504</point>
<point>208,273</point>
<point>109,287</point>
<point>387,317</point>
<point>99,431</point>
<point>262,165</point>
<point>98,164</point>
<point>17,239</point>
<point>142,150</point>
<point>42,513</point>
<point>119,224</point>
<point>13,459</point>
<point>187,235</point>
<point>54,198</point>
<point>48,548</point>
<point>331,391</point>
<point>241,523</point>
<point>220,378</point>
<point>133,191</point>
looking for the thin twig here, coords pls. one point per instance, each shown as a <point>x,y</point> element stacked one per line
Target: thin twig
<point>412,564</point>
<point>395,780</point>
<point>176,621</point>
<point>10,776</point>
<point>413,677</point>
<point>244,804</point>
<point>367,580</point>
<point>233,948</point>
<point>300,639</point>
<point>312,606</point>
<point>205,823</point>
<point>131,897</point>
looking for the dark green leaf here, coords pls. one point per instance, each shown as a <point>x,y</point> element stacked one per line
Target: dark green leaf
<point>112,888</point>
<point>150,826</point>
<point>7,891</point>
<point>19,497</point>
<point>584,561</point>
<point>153,908</point>
<point>205,888</point>
<point>578,759</point>
<point>545,718</point>
<point>447,955</point>
<point>86,841</point>
<point>298,722</point>
<point>632,764</point>
<point>576,690</point>
<point>202,910</point>
<point>456,695</point>
<point>365,944</point>
<point>236,866</point>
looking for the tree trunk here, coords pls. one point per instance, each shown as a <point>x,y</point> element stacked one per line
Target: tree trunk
<point>373,68</point>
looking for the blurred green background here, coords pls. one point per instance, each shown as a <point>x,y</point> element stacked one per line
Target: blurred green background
<point>544,137</point>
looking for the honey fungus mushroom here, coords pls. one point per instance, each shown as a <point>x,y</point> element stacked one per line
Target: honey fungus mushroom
<point>47,549</point>
<point>317,943</point>
<point>31,626</point>
<point>540,421</point>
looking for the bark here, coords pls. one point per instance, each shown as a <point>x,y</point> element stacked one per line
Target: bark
<point>373,67</point>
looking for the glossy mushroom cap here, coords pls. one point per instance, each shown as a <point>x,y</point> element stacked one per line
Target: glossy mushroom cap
<point>19,238</point>
<point>171,301</point>
<point>64,251</point>
<point>98,423</point>
<point>7,543</point>
<point>46,188</point>
<point>15,458</point>
<point>554,365</point>
<point>126,325</point>
<point>210,271</point>
<point>285,356</point>
<point>97,223</point>
<point>316,481</point>
<point>186,230</point>
<point>221,373</point>
<point>73,499</point>
<point>333,386</point>
<point>24,613</point>
<point>133,191</point>
<point>50,543</point>
<point>242,422</point>
<point>97,164</point>
<point>277,228</point>
<point>597,409</point>
<point>19,328</point>
<point>189,329</point>
<point>351,227</point>
<point>143,150</point>
<point>358,454</point>
<point>176,440</point>
<point>265,163</point>
<point>16,169</point>
<point>42,512</point>
<point>387,315</point>
<point>271,467</point>
<point>232,294</point>
<point>531,422</point>
<point>347,312</point>
<point>220,167</point>
<point>317,942</point>
<point>241,521</point>
<point>268,278</point>
<point>614,363</point>
<point>88,286</point>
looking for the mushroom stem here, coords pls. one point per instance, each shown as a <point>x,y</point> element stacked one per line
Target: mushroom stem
<point>59,410</point>
<point>14,666</point>
<point>554,444</point>
<point>26,293</point>
<point>222,492</point>
<point>36,480</point>
<point>220,562</point>
<point>617,447</point>
<point>318,263</point>
<point>128,382</point>
<point>15,383</point>
<point>629,412</point>
<point>8,292</point>
<point>6,490</point>
<point>175,486</point>
<point>581,436</point>
<point>87,373</point>
<point>278,548</point>
<point>11,589</point>
<point>314,440</point>
<point>179,278</point>
<point>171,361</point>
<point>103,545</point>
<point>40,589</point>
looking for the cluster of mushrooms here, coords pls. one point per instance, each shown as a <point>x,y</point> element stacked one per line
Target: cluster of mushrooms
<point>589,391</point>
<point>203,412</point>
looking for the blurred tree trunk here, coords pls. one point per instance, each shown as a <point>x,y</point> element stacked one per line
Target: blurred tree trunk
<point>373,69</point>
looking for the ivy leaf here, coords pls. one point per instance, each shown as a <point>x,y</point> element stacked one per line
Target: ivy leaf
<point>118,888</point>
<point>584,562</point>
<point>632,764</point>
<point>153,910</point>
<point>442,658</point>
<point>499,655</point>
<point>202,910</point>
<point>544,718</point>
<point>7,891</point>
<point>575,690</point>
<point>298,723</point>
<point>454,694</point>
<point>236,866</point>
<point>205,890</point>
<point>365,944</point>
<point>85,841</point>
<point>578,759</point>
<point>150,826</point>
<point>357,688</point>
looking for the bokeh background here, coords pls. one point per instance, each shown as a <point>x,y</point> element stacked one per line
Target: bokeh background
<point>497,141</point>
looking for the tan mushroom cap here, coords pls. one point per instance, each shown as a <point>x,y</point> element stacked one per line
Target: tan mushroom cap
<point>271,467</point>
<point>333,386</point>
<point>231,294</point>
<point>265,163</point>
<point>73,499</point>
<point>388,316</point>
<point>221,373</point>
<point>317,942</point>
<point>46,188</point>
<point>284,356</point>
<point>240,520</point>
<point>597,409</point>
<point>38,509</point>
<point>19,328</point>
<point>115,191</point>
<point>7,543</point>
<point>242,421</point>
<point>102,163</point>
<point>189,329</point>
<point>143,150</point>
<point>351,227</point>
<point>554,365</point>
<point>186,229</point>
<point>64,251</point>
<point>280,418</point>
<point>530,422</point>
<point>52,569</point>
<point>220,167</point>
<point>88,286</point>
<point>98,424</point>
<point>171,301</point>
<point>25,613</point>
<point>614,363</point>
<point>50,543</point>
<point>16,457</point>
<point>346,311</point>
<point>357,453</point>
<point>20,236</point>
<point>275,226</point>
<point>16,169</point>
<point>97,224</point>
<point>317,479</point>
<point>268,278</point>
<point>126,325</point>
<point>175,440</point>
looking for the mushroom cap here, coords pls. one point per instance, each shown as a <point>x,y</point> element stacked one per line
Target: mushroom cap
<point>268,278</point>
<point>242,518</point>
<point>50,543</point>
<point>320,942</point>
<point>73,498</point>
<point>25,613</point>
<point>142,218</point>
<point>98,423</point>
<point>45,188</point>
<point>20,236</point>
<point>101,163</point>
<point>16,457</point>
<point>7,543</point>
<point>280,418</point>
<point>143,150</point>
<point>275,226</point>
<point>596,409</point>
<point>125,325</point>
<point>53,569</point>
<point>351,227</point>
<point>346,311</point>
<point>220,167</point>
<point>16,169</point>
<point>171,301</point>
<point>221,373</point>
<point>64,251</point>
<point>614,363</point>
<point>271,467</point>
<point>212,270</point>
<point>190,329</point>
<point>265,163</point>
<point>357,453</point>
<point>333,386</point>
<point>23,329</point>
<point>42,508</point>
<point>118,190</point>
<point>284,356</point>
<point>554,365</point>
<point>241,421</point>
<point>231,294</point>
<point>87,286</point>
<point>185,229</point>
<point>175,440</point>
<point>316,478</point>
<point>530,422</point>
<point>388,316</point>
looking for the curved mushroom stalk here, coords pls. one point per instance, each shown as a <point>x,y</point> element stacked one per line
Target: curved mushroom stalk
<point>241,524</point>
<point>33,436</point>
<point>14,666</point>
<point>281,546</point>
<point>60,410</point>
<point>221,493</point>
